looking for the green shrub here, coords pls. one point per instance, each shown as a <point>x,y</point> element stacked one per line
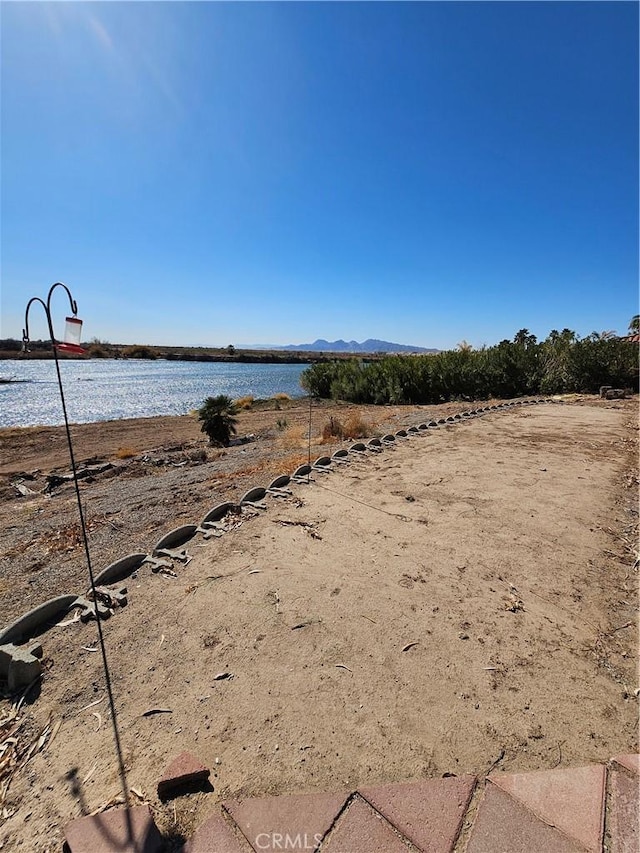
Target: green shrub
<point>560,364</point>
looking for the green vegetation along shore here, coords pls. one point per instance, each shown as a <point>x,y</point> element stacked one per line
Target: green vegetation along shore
<point>563,363</point>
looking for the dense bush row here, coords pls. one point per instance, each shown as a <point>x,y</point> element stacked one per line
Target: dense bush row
<point>562,363</point>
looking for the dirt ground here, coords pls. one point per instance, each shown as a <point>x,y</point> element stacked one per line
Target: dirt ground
<point>462,601</point>
<point>162,473</point>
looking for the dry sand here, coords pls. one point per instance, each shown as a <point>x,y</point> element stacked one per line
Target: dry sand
<point>463,600</point>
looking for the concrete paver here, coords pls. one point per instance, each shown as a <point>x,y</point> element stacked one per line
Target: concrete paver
<point>185,769</point>
<point>215,834</point>
<point>631,762</point>
<point>571,800</point>
<point>428,813</point>
<point>361,830</point>
<point>108,832</point>
<point>268,822</point>
<point>503,825</point>
<point>624,813</point>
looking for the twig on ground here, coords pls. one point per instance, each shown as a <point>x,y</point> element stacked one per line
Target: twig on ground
<point>559,761</point>
<point>495,763</point>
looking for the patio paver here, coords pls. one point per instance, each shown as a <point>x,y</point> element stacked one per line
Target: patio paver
<point>624,813</point>
<point>215,834</point>
<point>267,821</point>
<point>503,825</point>
<point>571,800</point>
<point>109,832</point>
<point>361,830</point>
<point>428,813</point>
<point>631,762</point>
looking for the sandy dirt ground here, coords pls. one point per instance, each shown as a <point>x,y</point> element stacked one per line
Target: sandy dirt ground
<point>162,472</point>
<point>465,600</point>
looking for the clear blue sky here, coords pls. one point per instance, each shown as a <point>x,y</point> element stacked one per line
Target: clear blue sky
<point>216,173</point>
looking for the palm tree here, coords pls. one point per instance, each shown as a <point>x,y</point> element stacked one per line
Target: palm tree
<point>524,339</point>
<point>634,324</point>
<point>218,419</point>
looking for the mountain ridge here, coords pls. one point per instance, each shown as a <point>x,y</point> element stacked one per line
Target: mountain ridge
<point>369,346</point>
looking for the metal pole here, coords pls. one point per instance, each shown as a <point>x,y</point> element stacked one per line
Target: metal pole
<point>85,539</point>
<point>309,446</point>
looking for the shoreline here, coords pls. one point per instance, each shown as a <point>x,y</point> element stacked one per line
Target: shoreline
<point>45,445</point>
<point>119,352</point>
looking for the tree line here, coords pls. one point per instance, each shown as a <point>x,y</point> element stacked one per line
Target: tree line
<point>562,363</point>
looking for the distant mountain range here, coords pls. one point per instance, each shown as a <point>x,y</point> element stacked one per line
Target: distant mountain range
<point>370,345</point>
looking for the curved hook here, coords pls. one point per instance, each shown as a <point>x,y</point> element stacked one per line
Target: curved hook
<point>25,331</point>
<point>72,301</point>
<point>47,310</point>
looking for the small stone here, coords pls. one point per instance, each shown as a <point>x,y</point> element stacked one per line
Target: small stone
<point>463,636</point>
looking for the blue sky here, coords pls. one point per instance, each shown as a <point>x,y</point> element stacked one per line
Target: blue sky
<point>215,173</point>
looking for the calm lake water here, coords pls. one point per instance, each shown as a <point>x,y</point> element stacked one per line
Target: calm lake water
<point>107,389</point>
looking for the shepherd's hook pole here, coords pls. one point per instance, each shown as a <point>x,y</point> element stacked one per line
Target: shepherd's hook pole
<point>107,677</point>
<point>309,451</point>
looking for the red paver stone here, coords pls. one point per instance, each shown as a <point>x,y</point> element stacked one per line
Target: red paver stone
<point>215,834</point>
<point>624,813</point>
<point>503,825</point>
<point>631,762</point>
<point>304,818</point>
<point>361,830</point>
<point>571,800</point>
<point>429,813</point>
<point>108,833</point>
<point>183,770</point>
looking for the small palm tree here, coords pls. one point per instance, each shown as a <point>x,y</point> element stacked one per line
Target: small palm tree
<point>634,324</point>
<point>218,419</point>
